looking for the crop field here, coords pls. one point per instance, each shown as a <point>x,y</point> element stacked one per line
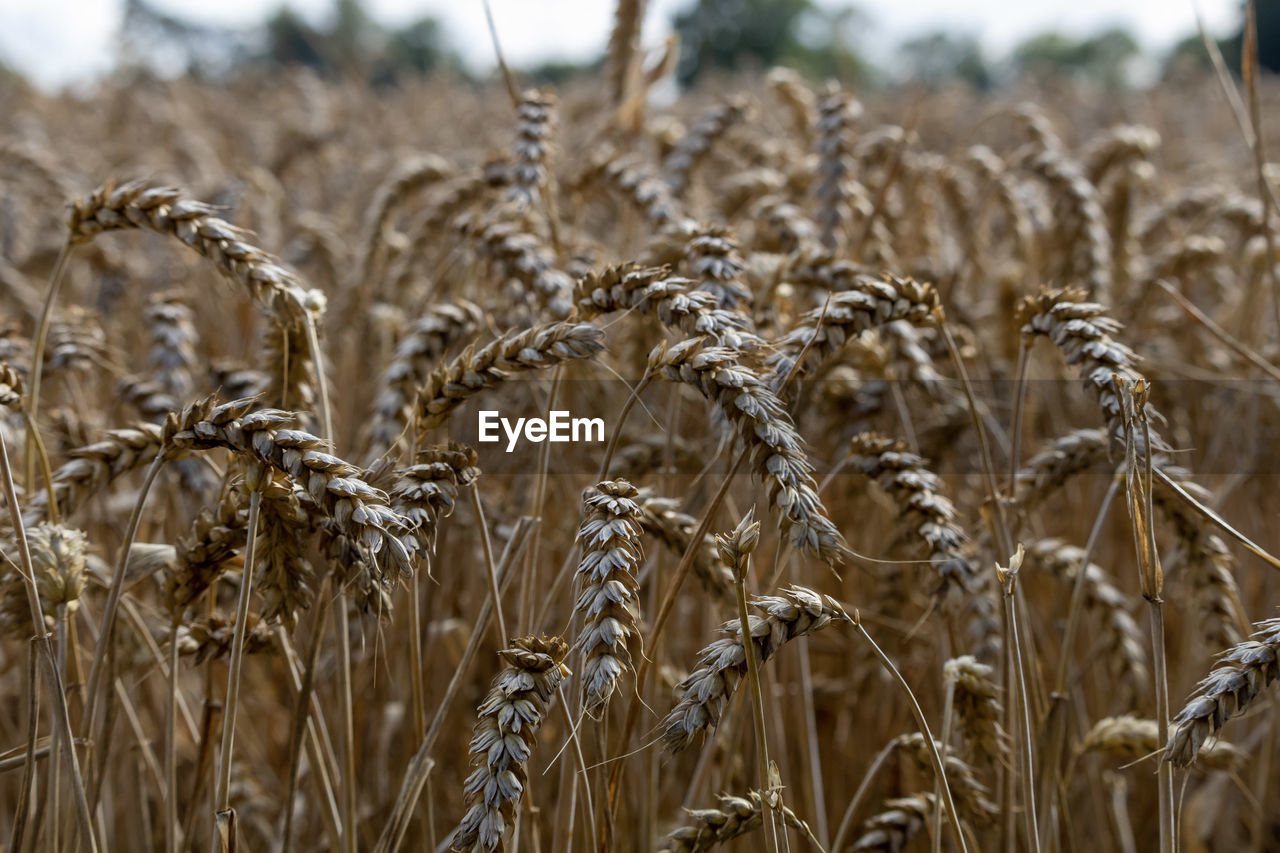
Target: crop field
<point>403,469</point>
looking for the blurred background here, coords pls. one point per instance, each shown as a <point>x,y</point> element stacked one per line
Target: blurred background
<point>985,44</point>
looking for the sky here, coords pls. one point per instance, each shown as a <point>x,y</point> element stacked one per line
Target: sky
<point>60,42</point>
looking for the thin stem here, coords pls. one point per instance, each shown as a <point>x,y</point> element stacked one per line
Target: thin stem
<point>113,598</point>
<point>326,413</point>
<point>171,825</point>
<point>349,811</point>
<point>494,594</point>
<point>659,623</point>
<point>622,419</point>
<point>37,351</point>
<point>1249,67</point>
<point>29,763</point>
<point>1019,401</point>
<point>846,822</point>
<point>42,456</point>
<point>528,579</point>
<point>740,569</point>
<point>948,708</point>
<point>302,708</point>
<point>55,743</point>
<point>1076,607</point>
<point>222,798</point>
<point>321,760</point>
<point>1008,581</point>
<point>415,776</point>
<point>916,711</point>
<point>49,669</point>
<point>811,740</point>
<point>988,463</point>
<point>582,761</point>
<point>417,690</point>
<point>1165,771</point>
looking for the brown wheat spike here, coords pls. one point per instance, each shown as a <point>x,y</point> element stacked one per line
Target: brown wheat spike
<point>1085,334</point>
<point>424,343</point>
<point>647,454</point>
<point>357,509</point>
<point>781,226</point>
<point>1061,459</point>
<point>675,301</point>
<point>1115,148</point>
<point>972,798</point>
<point>723,664</point>
<point>291,372</point>
<point>1134,739</point>
<point>77,341</point>
<point>621,65</point>
<point>837,111</point>
<point>203,552</point>
<point>407,179</point>
<point>1242,673</point>
<point>284,574</point>
<point>922,507</point>
<point>209,637</point>
<point>519,255</point>
<point>611,554</point>
<point>427,491</point>
<point>978,709</point>
<point>712,258</point>
<point>59,561</point>
<point>1081,224</point>
<point>235,381</point>
<point>11,387</point>
<point>454,198</point>
<point>1003,186</point>
<point>172,354</point>
<point>898,821</point>
<point>694,146</point>
<point>661,519</point>
<point>531,151</point>
<point>504,738</point>
<point>630,178</point>
<point>789,88</point>
<point>736,817</point>
<point>1123,639</point>
<point>767,434</point>
<point>140,204</point>
<point>858,302</point>
<point>89,469</point>
<point>474,371</point>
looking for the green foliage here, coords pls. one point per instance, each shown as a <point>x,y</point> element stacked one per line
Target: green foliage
<point>1190,57</point>
<point>292,41</point>
<point>733,34</point>
<point>941,57</point>
<point>1268,17</point>
<point>1101,58</point>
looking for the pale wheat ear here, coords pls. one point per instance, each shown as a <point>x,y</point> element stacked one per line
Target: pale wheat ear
<point>793,613</point>
<point>607,602</point>
<point>1244,671</point>
<point>733,818</point>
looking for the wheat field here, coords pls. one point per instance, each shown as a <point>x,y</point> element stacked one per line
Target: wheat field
<point>963,407</point>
